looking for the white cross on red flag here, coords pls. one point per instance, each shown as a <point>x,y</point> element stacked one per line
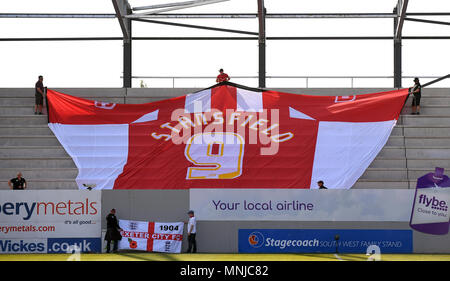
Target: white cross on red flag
<point>151,236</point>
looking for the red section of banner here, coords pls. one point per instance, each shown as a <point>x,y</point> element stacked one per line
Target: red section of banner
<point>223,98</point>
<point>66,109</point>
<point>374,107</point>
<point>275,147</point>
<point>151,230</point>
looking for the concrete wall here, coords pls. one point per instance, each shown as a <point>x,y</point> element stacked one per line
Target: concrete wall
<point>222,236</point>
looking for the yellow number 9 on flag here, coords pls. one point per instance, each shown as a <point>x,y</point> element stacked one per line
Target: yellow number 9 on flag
<point>216,155</point>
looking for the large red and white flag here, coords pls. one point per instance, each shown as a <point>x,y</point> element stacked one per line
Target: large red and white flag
<point>151,236</point>
<point>227,136</point>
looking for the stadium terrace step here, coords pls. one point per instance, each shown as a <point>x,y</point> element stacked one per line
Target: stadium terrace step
<point>429,109</point>
<point>427,131</point>
<point>392,174</point>
<point>379,184</point>
<point>27,140</point>
<point>40,173</point>
<point>23,120</point>
<point>422,131</point>
<point>25,130</point>
<point>32,151</point>
<point>392,152</point>
<point>428,153</point>
<point>426,163</point>
<point>396,174</point>
<point>43,184</point>
<point>28,101</point>
<point>415,173</point>
<point>429,141</point>
<point>18,110</point>
<point>163,93</point>
<point>44,162</point>
<point>427,101</point>
<point>388,163</point>
<point>16,92</point>
<point>397,131</point>
<point>425,120</point>
<point>395,141</point>
<point>436,92</point>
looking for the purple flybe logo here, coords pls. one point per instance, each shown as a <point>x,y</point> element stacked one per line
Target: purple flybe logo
<point>430,213</point>
<point>433,203</point>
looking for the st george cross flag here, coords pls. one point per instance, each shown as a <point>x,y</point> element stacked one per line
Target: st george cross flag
<point>226,136</point>
<point>151,236</point>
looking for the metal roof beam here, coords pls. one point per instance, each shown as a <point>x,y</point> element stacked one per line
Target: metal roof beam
<point>182,5</point>
<point>428,21</point>
<point>221,15</point>
<point>196,26</point>
<point>20,39</point>
<point>122,8</point>
<point>58,16</point>
<point>401,9</point>
<point>176,4</point>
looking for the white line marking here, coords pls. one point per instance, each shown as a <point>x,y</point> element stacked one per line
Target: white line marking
<point>338,257</point>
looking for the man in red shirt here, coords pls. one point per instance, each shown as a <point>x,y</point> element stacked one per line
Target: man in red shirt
<point>222,77</point>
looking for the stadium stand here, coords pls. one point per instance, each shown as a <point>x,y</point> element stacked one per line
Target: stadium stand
<point>416,146</point>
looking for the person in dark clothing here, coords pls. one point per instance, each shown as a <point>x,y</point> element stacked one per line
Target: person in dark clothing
<point>417,94</point>
<point>39,95</point>
<point>17,183</point>
<point>321,186</point>
<point>192,232</point>
<point>112,231</point>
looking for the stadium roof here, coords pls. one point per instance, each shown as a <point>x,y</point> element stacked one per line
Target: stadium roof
<point>198,20</point>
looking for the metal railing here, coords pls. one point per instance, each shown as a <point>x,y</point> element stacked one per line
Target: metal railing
<point>350,80</point>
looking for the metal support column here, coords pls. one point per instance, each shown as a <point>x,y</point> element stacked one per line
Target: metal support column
<point>127,54</point>
<point>397,55</point>
<point>262,44</point>
<point>123,8</point>
<point>127,58</point>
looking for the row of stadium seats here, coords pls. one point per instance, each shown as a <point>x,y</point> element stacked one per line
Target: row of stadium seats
<point>416,146</point>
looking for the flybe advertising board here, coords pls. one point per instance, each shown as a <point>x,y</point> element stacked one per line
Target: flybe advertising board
<point>50,221</point>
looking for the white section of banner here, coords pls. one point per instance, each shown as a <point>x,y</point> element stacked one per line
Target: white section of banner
<point>198,102</point>
<point>249,101</point>
<point>169,237</point>
<point>99,152</point>
<point>387,205</point>
<point>50,214</point>
<point>151,236</point>
<point>344,150</point>
<point>293,113</point>
<point>152,116</point>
